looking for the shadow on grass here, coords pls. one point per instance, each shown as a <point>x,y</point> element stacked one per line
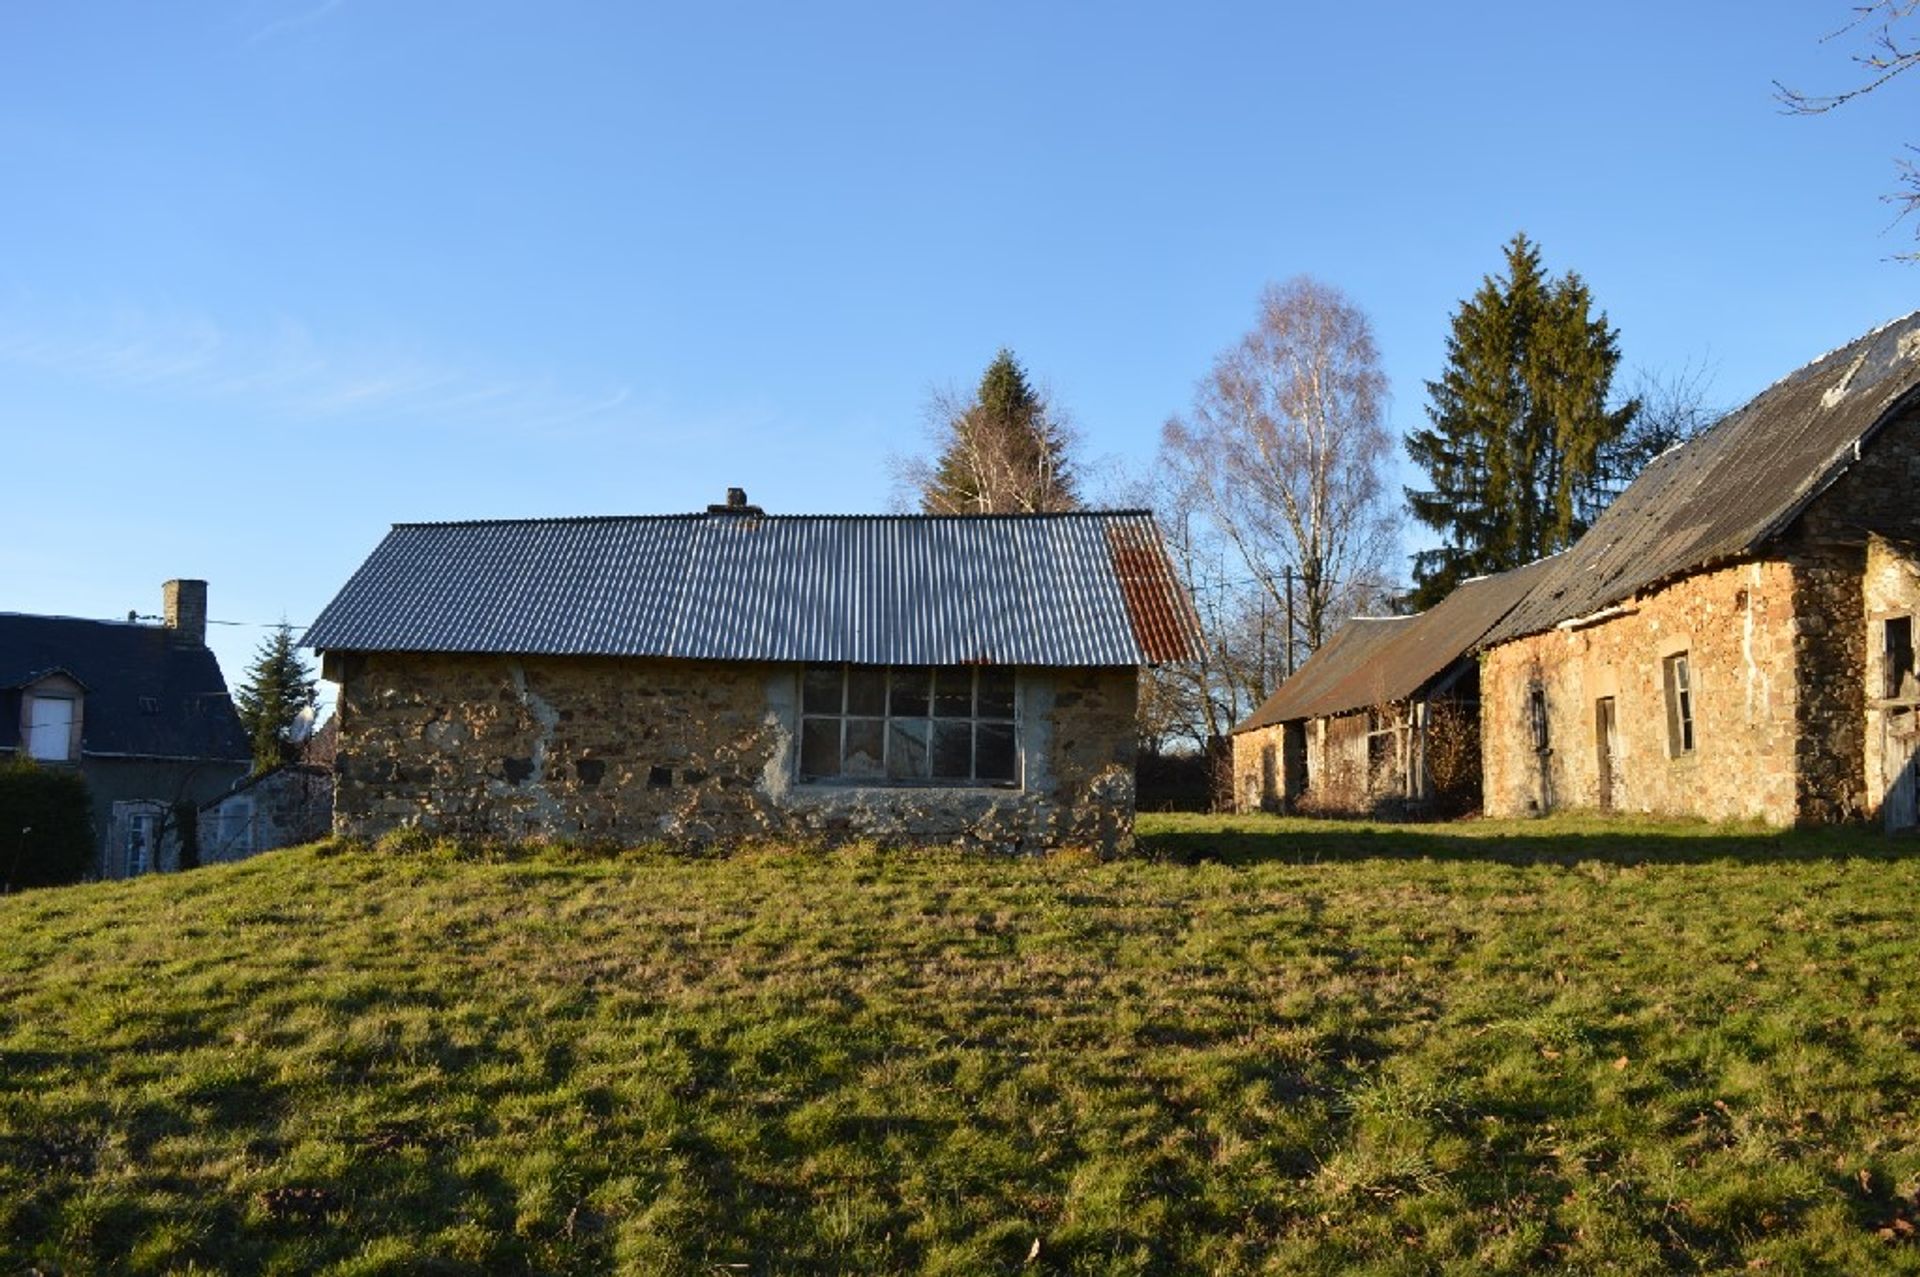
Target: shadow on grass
<point>1249,840</point>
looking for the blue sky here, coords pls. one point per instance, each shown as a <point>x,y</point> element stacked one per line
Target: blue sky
<point>278,273</point>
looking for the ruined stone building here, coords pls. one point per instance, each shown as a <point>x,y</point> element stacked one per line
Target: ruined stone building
<point>1734,637</point>
<point>1382,718</point>
<point>709,676</point>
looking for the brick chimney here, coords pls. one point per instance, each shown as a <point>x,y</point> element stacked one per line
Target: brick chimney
<point>183,606</point>
<point>737,505</point>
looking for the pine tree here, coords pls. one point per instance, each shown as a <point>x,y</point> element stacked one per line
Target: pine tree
<point>279,685</point>
<point>1520,425</point>
<point>1003,453</point>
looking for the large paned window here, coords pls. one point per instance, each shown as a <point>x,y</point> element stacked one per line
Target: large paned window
<point>909,725</point>
<point>1678,676</point>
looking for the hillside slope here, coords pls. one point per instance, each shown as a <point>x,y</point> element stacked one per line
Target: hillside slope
<point>1420,1053</point>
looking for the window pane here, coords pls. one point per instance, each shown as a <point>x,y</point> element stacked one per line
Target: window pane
<point>821,691</point>
<point>866,690</point>
<point>996,692</point>
<point>50,732</point>
<point>820,747</point>
<point>907,749</point>
<point>952,750</point>
<point>953,692</point>
<point>863,757</point>
<point>995,752</point>
<point>908,695</point>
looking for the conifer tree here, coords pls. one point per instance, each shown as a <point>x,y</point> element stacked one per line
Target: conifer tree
<point>279,685</point>
<point>1003,453</point>
<point>1520,426</point>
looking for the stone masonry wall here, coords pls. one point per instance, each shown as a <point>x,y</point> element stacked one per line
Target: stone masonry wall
<point>1737,627</point>
<point>630,750</point>
<point>1842,589</point>
<point>1258,763</point>
<point>1892,717</point>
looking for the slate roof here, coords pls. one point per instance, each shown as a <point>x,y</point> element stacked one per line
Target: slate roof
<point>186,714</point>
<point>1378,660</point>
<point>1088,588</point>
<point>1724,494</point>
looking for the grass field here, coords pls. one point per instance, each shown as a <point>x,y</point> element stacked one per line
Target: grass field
<point>1277,1047</point>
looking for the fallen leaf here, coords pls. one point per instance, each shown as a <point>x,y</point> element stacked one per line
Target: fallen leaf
<point>1034,1254</point>
<point>1621,1063</point>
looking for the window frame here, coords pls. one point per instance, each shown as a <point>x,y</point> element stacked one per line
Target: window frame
<point>34,701</point>
<point>1898,682</point>
<point>143,838</point>
<point>1676,677</point>
<point>886,718</point>
<point>1539,724</point>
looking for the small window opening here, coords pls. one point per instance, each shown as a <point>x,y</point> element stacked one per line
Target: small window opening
<point>1678,678</point>
<point>1537,716</point>
<point>149,704</point>
<point>1897,635</point>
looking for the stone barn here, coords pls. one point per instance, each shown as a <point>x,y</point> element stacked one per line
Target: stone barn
<point>968,679</point>
<point>1382,717</point>
<point>1734,637</point>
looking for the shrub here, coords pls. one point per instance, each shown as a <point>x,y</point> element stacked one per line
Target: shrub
<point>46,826</point>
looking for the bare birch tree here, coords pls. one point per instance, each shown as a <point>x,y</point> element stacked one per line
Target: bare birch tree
<point>1285,451</point>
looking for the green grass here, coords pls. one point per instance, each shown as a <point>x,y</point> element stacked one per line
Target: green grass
<point>1280,1046</point>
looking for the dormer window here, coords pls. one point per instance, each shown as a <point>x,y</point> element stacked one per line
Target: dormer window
<point>50,724</point>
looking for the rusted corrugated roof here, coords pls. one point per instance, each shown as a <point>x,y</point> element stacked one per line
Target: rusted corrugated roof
<point>1378,660</point>
<point>1089,588</point>
<point>1725,493</point>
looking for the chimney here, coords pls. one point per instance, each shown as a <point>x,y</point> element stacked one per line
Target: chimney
<point>737,505</point>
<point>183,605</point>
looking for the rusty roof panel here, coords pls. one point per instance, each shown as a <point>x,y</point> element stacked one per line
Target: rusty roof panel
<point>1379,660</point>
<point>1091,588</point>
<point>1724,494</point>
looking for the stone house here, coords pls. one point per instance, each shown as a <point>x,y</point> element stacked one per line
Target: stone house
<point>1734,637</point>
<point>140,711</point>
<point>711,676</point>
<point>1381,718</point>
<point>283,807</point>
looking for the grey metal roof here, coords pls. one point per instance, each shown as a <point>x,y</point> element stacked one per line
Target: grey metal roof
<point>1741,483</point>
<point>1090,588</point>
<point>1378,660</point>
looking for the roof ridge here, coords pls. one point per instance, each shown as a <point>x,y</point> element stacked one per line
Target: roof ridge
<point>703,516</point>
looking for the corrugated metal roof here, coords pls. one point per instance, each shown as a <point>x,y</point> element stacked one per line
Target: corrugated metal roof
<point>1722,495</point>
<point>1089,588</point>
<point>1378,660</point>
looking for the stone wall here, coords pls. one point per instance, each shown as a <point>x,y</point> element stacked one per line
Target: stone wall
<point>629,750</point>
<point>1348,770</point>
<point>1259,769</point>
<point>285,807</point>
<point>1891,722</point>
<point>1737,626</point>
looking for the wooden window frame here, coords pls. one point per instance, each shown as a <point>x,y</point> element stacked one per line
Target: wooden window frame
<point>1676,678</point>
